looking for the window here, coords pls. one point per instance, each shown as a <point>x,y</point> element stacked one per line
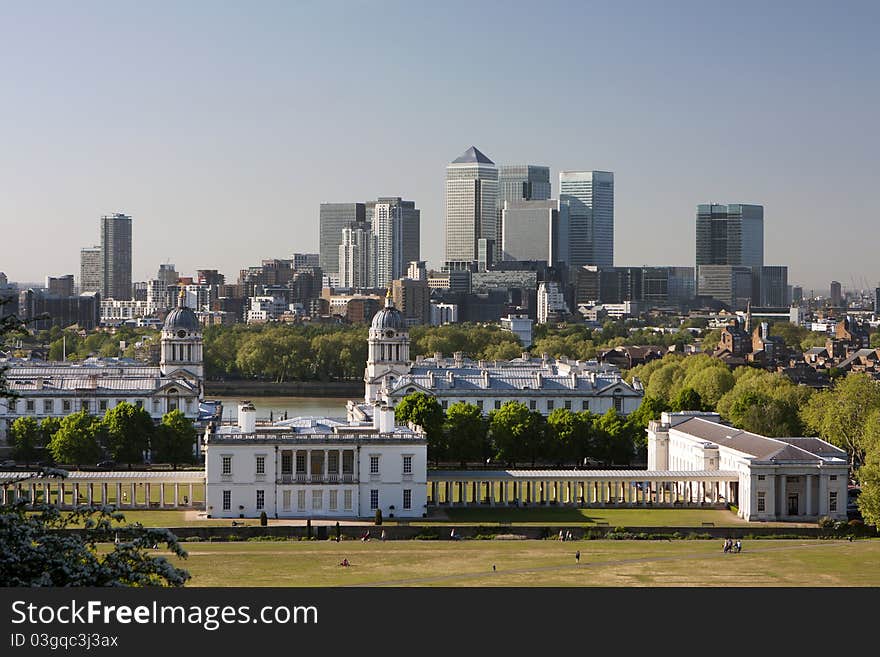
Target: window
<point>102,405</point>
<point>374,499</point>
<point>227,465</point>
<point>618,404</point>
<point>139,403</point>
<point>550,405</point>
<point>261,465</point>
<point>155,405</point>
<point>568,404</point>
<point>300,462</point>
<point>301,500</point>
<point>832,501</point>
<point>317,499</point>
<point>585,404</point>
<point>497,404</point>
<point>374,465</point>
<point>333,499</point>
<point>407,498</point>
<point>285,500</point>
<point>444,404</point>
<point>29,406</point>
<point>479,404</point>
<point>227,500</point>
<point>407,465</point>
<point>833,477</point>
<point>533,405</point>
<point>261,499</point>
<point>84,405</point>
<point>286,463</point>
<point>65,405</point>
<point>48,406</point>
<point>761,500</point>
<point>346,500</point>
<point>761,477</point>
<point>794,480</point>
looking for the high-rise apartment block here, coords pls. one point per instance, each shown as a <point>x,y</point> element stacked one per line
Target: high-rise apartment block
<point>356,258</point>
<point>334,217</point>
<point>471,190</point>
<point>116,256</point>
<point>590,197</point>
<point>387,224</point>
<point>90,270</point>
<point>304,261</point>
<point>413,300</point>
<point>836,294</point>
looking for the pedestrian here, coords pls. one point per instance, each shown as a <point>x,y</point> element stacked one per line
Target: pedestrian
<point>577,556</point>
<point>493,567</point>
<point>739,546</point>
<point>383,534</point>
<point>568,536</point>
<point>561,535</point>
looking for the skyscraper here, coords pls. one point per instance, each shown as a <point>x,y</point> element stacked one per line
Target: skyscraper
<point>590,196</point>
<point>356,259</point>
<point>396,230</point>
<point>519,182</point>
<point>774,286</point>
<point>836,294</point>
<point>116,256</point>
<point>730,234</point>
<point>535,230</point>
<point>335,217</point>
<point>90,267</point>
<point>471,190</point>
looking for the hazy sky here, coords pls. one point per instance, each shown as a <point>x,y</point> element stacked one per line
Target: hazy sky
<point>221,127</point>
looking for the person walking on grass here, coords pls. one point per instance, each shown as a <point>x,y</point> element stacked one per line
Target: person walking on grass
<point>577,556</point>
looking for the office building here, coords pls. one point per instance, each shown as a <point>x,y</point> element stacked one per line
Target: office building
<point>302,261</point>
<point>60,286</point>
<point>408,240</point>
<point>836,294</point>
<point>520,182</point>
<point>387,258</point>
<point>877,301</point>
<point>731,285</point>
<point>590,197</point>
<point>774,286</point>
<point>535,230</point>
<point>471,189</point>
<point>8,297</point>
<point>116,256</point>
<point>444,313</point>
<point>730,235</point>
<point>83,311</point>
<point>90,270</point>
<point>413,299</point>
<point>356,257</point>
<point>333,218</point>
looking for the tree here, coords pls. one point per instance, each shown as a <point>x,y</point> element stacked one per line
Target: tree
<point>424,410</point>
<point>517,433</point>
<point>569,435</point>
<point>710,383</point>
<point>687,399</point>
<point>174,439</point>
<point>466,433</point>
<point>614,439</point>
<point>26,439</point>
<point>129,429</point>
<point>76,440</point>
<point>49,427</point>
<point>839,415</point>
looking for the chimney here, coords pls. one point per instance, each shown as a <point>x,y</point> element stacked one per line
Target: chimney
<point>484,376</point>
<point>383,418</point>
<point>450,377</point>
<point>247,417</point>
<point>765,330</point>
<point>526,355</point>
<point>438,356</point>
<point>539,380</point>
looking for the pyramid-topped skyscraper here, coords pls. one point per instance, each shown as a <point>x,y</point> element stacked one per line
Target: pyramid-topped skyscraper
<point>471,189</point>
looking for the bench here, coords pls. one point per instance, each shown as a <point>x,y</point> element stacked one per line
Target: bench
<point>708,524</point>
<point>235,523</point>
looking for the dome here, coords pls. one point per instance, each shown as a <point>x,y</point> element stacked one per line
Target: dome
<point>388,318</point>
<point>182,318</point>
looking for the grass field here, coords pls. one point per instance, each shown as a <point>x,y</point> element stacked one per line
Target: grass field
<point>534,563</point>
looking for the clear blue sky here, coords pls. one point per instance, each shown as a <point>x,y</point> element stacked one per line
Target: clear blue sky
<point>221,128</point>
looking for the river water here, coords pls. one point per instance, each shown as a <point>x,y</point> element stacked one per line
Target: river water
<point>293,406</point>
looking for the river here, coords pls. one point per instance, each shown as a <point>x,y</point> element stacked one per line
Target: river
<point>293,406</point>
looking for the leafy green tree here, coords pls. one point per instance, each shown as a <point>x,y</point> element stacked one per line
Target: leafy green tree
<point>569,435</point>
<point>710,383</point>
<point>424,410</point>
<point>764,415</point>
<point>34,552</point>
<point>687,399</point>
<point>129,430</point>
<point>615,442</point>
<point>875,340</point>
<point>869,481</point>
<point>649,409</point>
<point>26,439</point>
<point>466,433</point>
<point>517,433</point>
<point>77,439</point>
<point>839,415</point>
<point>174,439</point>
<point>49,427</point>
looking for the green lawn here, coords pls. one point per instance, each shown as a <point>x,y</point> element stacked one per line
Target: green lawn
<point>613,517</point>
<point>534,563</point>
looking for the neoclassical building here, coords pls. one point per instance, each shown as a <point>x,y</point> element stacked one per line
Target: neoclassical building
<point>541,384</point>
<point>316,467</point>
<point>767,478</point>
<point>52,389</point>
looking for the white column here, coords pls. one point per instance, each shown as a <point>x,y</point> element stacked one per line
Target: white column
<point>190,494</point>
<point>176,495</point>
<point>133,495</point>
<point>823,494</point>
<point>327,464</point>
<point>308,464</point>
<point>162,495</point>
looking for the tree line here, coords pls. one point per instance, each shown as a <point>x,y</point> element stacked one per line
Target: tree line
<point>125,432</point>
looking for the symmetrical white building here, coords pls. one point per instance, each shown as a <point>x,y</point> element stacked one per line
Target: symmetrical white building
<point>540,383</point>
<point>316,467</point>
<point>767,478</point>
<point>59,389</point>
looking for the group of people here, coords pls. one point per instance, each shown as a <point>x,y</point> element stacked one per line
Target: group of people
<point>732,546</point>
<point>565,536</point>
<point>345,562</point>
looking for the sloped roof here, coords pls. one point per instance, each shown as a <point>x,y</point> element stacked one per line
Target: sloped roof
<point>472,156</point>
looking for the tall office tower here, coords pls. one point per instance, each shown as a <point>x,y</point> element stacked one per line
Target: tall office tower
<point>90,266</point>
<point>730,235</point>
<point>519,182</point>
<point>876,301</point>
<point>387,224</point>
<point>797,294</point>
<point>774,286</point>
<point>730,284</point>
<point>355,257</point>
<point>335,217</point>
<point>60,286</point>
<point>590,195</point>
<point>836,294</point>
<point>535,230</point>
<point>167,274</point>
<point>471,189</point>
<point>116,253</point>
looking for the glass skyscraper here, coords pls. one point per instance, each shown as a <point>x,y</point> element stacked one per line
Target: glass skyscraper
<point>116,256</point>
<point>471,191</point>
<point>590,196</point>
<point>335,217</point>
<point>730,234</point>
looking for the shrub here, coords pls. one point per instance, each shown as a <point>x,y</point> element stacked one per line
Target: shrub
<point>825,522</point>
<point>264,519</point>
<point>192,539</point>
<point>309,528</point>
<point>378,516</point>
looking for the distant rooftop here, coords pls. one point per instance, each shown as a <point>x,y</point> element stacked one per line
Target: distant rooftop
<point>472,156</point>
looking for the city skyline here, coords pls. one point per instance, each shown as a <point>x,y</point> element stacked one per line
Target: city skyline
<point>256,143</point>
